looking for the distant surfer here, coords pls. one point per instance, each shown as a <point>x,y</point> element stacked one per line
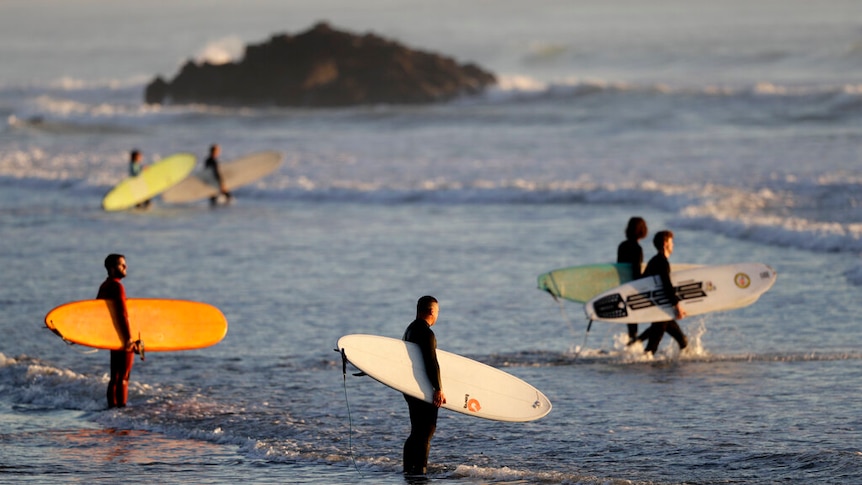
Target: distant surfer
<point>211,163</point>
<point>660,266</point>
<point>630,251</point>
<point>121,360</point>
<point>423,415</point>
<point>135,169</point>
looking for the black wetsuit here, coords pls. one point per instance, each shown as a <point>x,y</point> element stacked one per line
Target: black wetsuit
<point>212,164</point>
<point>423,415</point>
<point>660,266</point>
<point>629,251</point>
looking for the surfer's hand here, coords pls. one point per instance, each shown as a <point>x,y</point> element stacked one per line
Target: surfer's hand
<point>680,311</point>
<point>439,398</point>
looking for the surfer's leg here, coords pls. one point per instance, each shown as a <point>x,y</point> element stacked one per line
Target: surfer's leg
<point>117,364</point>
<point>656,332</point>
<point>112,392</point>
<point>118,386</point>
<point>674,331</point>
<point>423,424</point>
<point>130,360</point>
<point>644,335</point>
<point>633,332</point>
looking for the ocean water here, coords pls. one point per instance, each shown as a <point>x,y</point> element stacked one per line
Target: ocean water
<point>734,124</point>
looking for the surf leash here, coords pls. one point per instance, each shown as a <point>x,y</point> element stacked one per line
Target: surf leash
<point>556,292</point>
<point>349,418</point>
<point>586,334</point>
<point>70,343</point>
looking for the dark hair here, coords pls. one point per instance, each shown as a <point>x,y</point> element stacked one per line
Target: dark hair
<point>660,237</point>
<point>213,148</point>
<point>134,154</point>
<point>636,229</point>
<point>112,260</point>
<point>423,306</point>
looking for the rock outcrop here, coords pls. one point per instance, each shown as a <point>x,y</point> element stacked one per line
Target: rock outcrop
<point>323,67</point>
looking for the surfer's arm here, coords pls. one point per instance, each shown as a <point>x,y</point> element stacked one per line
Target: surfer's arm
<point>115,293</point>
<point>433,369</point>
<point>123,312</point>
<point>670,291</point>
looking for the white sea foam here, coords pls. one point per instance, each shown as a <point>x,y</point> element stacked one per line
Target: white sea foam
<point>28,381</point>
<point>786,215</point>
<point>222,51</point>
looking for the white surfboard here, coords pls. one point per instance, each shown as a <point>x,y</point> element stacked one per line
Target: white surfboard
<point>235,173</point>
<point>471,387</point>
<point>701,290</point>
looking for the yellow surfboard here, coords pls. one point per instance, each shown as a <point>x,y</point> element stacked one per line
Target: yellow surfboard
<point>162,325</point>
<point>152,181</point>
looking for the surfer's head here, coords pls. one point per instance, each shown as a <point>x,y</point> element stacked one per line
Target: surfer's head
<point>135,156</point>
<point>215,150</point>
<point>661,240</point>
<point>116,265</point>
<point>637,229</point>
<point>427,308</point>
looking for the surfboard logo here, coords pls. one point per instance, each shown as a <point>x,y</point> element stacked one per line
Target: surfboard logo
<point>471,405</point>
<point>613,306</point>
<point>742,280</point>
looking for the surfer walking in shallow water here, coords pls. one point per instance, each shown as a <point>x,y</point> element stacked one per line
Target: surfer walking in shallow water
<point>423,415</point>
<point>135,169</point>
<point>211,163</point>
<point>630,251</point>
<point>660,266</point>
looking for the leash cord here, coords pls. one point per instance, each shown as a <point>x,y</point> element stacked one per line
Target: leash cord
<point>349,418</point>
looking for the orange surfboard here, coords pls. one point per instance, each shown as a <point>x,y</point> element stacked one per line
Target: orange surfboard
<point>162,325</point>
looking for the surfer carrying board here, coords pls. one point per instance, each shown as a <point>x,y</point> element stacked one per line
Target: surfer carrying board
<point>211,163</point>
<point>630,251</point>
<point>121,360</point>
<point>423,415</point>
<point>135,169</point>
<point>660,266</point>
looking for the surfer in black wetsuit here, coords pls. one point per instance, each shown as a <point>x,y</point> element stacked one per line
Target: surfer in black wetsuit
<point>630,251</point>
<point>660,266</point>
<point>423,415</point>
<point>211,163</point>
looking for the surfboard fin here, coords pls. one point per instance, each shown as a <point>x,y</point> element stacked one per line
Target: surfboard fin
<point>344,365</point>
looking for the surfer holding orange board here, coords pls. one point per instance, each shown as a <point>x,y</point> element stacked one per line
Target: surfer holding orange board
<point>111,322</point>
<point>121,360</point>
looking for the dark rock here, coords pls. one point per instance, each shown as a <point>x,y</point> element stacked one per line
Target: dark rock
<point>323,67</point>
